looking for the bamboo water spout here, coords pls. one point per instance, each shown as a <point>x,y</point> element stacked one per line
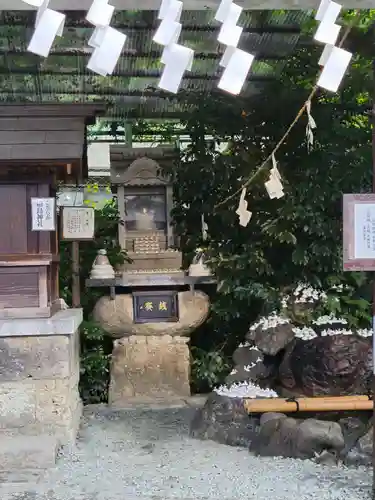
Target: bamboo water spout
<point>330,403</point>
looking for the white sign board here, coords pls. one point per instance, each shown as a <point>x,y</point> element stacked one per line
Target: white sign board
<point>98,156</point>
<point>364,231</point>
<point>359,232</point>
<point>43,214</point>
<point>78,223</point>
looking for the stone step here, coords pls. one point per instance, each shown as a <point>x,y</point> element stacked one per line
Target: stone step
<point>19,453</point>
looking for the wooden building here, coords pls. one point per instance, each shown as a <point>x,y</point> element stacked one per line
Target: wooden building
<point>40,145</point>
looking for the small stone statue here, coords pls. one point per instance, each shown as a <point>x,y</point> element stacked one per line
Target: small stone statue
<point>145,220</point>
<point>198,267</point>
<point>101,268</point>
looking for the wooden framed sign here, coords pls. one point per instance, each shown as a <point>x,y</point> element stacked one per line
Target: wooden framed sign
<point>155,307</point>
<point>43,214</point>
<point>77,223</point>
<point>359,232</point>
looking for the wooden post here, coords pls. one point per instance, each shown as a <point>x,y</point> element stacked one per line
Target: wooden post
<point>128,134</point>
<point>76,285</point>
<point>373,297</point>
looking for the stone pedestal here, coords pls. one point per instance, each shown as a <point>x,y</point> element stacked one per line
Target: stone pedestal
<point>150,361</point>
<point>149,368</point>
<point>39,376</point>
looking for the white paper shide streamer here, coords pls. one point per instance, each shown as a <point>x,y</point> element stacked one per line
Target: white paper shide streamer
<point>321,9</point>
<point>274,185</point>
<point>204,228</point>
<point>334,69</point>
<point>325,54</point>
<point>105,57</point>
<point>328,31</point>
<point>34,3</point>
<point>176,58</point>
<point>311,125</point>
<point>48,25</point>
<point>333,60</point>
<point>106,41</point>
<point>243,213</point>
<point>230,33</point>
<point>236,62</point>
<point>100,13</point>
<point>236,71</point>
<point>44,4</point>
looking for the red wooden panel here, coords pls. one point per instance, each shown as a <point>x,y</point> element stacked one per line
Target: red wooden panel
<point>13,219</point>
<point>32,236</point>
<point>19,287</point>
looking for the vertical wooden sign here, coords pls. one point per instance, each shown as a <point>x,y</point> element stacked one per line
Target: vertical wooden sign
<point>77,224</point>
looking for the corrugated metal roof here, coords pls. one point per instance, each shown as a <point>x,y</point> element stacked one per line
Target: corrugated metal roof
<point>131,91</point>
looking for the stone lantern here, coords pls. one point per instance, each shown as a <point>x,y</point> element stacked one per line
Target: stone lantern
<point>156,306</point>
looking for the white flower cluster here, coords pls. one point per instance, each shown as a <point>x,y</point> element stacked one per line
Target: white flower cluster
<point>284,301</point>
<point>233,372</point>
<point>365,333</point>
<point>324,320</point>
<point>245,390</point>
<point>304,333</point>
<point>246,344</point>
<point>329,332</point>
<point>247,368</point>
<point>304,293</point>
<point>271,321</point>
<point>307,333</point>
<point>361,333</point>
<point>338,288</point>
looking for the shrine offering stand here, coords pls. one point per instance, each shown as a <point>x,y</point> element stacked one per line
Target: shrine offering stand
<point>155,308</point>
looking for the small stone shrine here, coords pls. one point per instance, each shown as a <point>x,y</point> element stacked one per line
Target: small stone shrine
<point>145,200</point>
<point>40,407</point>
<point>158,306</point>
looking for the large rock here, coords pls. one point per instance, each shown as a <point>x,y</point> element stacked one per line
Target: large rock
<point>224,420</point>
<point>116,316</point>
<point>246,355</point>
<point>362,452</point>
<point>280,435</point>
<point>256,372</point>
<point>248,365</point>
<point>359,436</point>
<point>335,365</point>
<point>354,425</point>
<point>271,340</point>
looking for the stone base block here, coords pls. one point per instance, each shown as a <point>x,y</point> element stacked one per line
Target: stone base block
<point>153,368</point>
<point>35,452</point>
<point>39,377</point>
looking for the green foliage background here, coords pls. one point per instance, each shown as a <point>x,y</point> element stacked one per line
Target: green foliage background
<point>296,238</point>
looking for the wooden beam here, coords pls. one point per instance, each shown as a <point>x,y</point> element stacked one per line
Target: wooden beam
<point>61,110</point>
<point>189,4</point>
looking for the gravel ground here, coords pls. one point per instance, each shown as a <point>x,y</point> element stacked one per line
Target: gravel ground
<point>143,454</point>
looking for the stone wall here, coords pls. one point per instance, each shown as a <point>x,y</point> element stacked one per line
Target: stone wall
<point>39,376</point>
